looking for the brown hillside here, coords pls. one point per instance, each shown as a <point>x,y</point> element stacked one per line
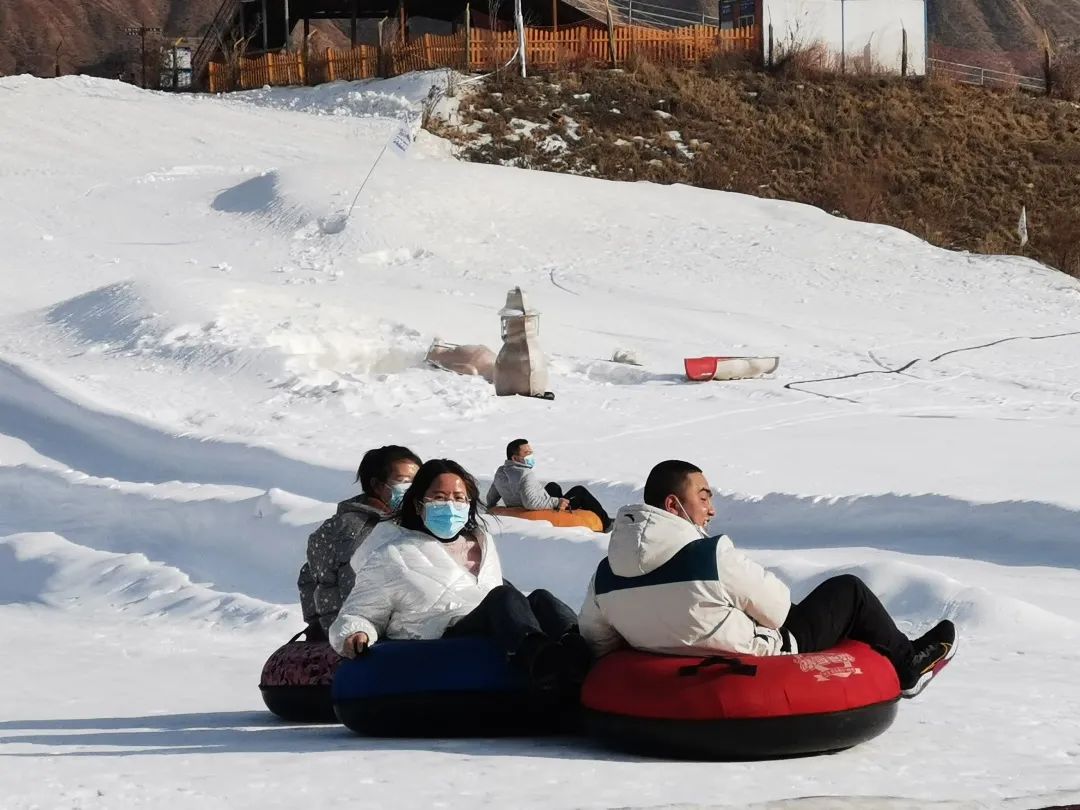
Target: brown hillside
<point>1010,25</point>
<point>93,33</point>
<point>950,163</point>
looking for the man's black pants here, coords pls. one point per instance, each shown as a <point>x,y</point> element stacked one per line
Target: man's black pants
<point>843,607</point>
<point>580,498</point>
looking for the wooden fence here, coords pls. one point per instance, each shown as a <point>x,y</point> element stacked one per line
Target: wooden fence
<point>478,50</point>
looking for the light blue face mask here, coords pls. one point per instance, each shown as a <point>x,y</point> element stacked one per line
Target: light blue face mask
<point>700,529</point>
<point>530,461</point>
<point>446,519</point>
<point>397,492</point>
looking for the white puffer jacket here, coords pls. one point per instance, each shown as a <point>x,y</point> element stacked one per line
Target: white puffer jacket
<point>409,587</point>
<point>666,589</point>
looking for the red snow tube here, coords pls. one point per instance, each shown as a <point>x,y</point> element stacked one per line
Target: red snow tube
<point>740,706</point>
<point>296,679</point>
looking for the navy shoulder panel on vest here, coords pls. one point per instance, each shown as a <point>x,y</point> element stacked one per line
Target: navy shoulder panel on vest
<point>696,561</point>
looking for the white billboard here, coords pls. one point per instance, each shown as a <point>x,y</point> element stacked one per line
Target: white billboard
<point>860,35</point>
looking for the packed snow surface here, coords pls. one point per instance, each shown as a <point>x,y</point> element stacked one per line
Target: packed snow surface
<point>191,367</point>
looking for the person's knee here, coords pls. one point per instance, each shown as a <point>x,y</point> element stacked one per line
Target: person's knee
<point>540,595</point>
<point>848,582</point>
<point>505,594</point>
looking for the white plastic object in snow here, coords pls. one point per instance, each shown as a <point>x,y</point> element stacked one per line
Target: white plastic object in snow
<point>728,368</point>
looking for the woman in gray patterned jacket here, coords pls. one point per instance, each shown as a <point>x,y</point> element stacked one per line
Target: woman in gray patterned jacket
<point>327,577</point>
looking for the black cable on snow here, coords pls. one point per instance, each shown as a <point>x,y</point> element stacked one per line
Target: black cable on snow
<point>791,386</point>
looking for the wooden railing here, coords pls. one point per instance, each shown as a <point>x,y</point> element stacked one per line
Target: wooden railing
<point>480,50</point>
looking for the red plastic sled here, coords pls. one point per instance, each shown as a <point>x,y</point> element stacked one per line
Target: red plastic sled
<point>699,369</point>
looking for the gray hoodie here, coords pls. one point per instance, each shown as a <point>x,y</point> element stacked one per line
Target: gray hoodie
<point>517,486</point>
<point>327,577</point>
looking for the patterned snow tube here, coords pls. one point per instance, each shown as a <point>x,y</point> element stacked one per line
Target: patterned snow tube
<point>582,518</point>
<point>296,681</point>
<point>452,687</point>
<point>740,706</point>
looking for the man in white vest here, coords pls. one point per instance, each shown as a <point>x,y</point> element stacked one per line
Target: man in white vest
<point>667,586</point>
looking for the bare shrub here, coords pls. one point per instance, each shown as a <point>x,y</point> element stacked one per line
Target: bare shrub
<point>731,61</point>
<point>1058,239</point>
<point>1065,77</point>
<point>800,60</point>
<point>857,190</point>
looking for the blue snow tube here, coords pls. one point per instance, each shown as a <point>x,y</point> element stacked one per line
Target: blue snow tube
<point>451,687</point>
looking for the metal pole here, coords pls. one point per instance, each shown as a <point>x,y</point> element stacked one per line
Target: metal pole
<point>519,20</point>
<point>468,39</point>
<point>288,29</point>
<point>843,39</point>
<point>142,37</point>
<point>266,27</point>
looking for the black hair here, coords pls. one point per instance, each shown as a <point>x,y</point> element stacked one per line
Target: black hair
<point>409,515</point>
<point>377,464</point>
<point>667,478</point>
<point>514,446</point>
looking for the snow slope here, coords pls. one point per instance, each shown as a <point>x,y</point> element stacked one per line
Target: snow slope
<point>190,369</point>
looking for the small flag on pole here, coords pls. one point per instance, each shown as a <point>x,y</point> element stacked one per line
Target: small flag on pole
<point>1022,226</point>
<point>406,134</point>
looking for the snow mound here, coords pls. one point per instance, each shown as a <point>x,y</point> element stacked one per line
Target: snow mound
<point>146,319</point>
<point>44,568</point>
<point>208,531</point>
<point>81,86</point>
<point>1022,533</point>
<point>260,196</point>
<point>70,432</point>
<point>917,596</point>
<point>372,98</point>
<point>305,348</point>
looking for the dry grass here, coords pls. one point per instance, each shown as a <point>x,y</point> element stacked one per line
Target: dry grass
<point>1065,77</point>
<point>950,163</point>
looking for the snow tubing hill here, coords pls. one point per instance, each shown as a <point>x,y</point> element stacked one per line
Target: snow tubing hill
<point>740,706</point>
<point>579,517</point>
<point>455,687</point>
<point>296,681</point>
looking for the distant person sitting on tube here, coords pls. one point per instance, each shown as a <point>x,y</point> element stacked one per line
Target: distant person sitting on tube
<point>517,486</point>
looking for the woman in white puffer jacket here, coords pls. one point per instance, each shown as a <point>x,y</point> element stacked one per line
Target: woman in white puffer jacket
<point>434,572</point>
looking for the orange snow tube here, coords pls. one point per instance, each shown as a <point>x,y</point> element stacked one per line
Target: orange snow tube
<point>578,517</point>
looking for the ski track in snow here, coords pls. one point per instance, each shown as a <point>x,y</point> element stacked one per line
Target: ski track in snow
<point>177,414</point>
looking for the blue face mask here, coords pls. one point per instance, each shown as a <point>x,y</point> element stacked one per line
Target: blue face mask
<point>397,492</point>
<point>530,461</point>
<point>446,519</point>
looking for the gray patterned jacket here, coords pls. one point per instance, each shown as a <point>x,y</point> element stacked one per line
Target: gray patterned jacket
<point>327,577</point>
